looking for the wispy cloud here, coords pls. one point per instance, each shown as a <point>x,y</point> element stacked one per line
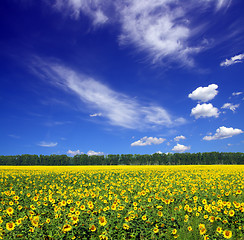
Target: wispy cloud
<point>56,123</point>
<point>47,144</point>
<point>204,110</point>
<point>236,59</point>
<point>180,148</point>
<point>231,106</point>
<point>14,136</point>
<point>145,141</point>
<point>119,109</point>
<point>237,93</point>
<point>161,28</point>
<point>96,115</point>
<point>94,9</point>
<point>204,94</point>
<point>223,132</point>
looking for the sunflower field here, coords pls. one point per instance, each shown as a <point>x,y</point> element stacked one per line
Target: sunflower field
<point>122,202</point>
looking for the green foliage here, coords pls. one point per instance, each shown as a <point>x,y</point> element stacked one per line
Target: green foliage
<point>206,158</point>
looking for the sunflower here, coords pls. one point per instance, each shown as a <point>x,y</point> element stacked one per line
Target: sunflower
<point>160,214</point>
<point>155,230</point>
<point>211,219</point>
<point>202,229</point>
<point>144,218</point>
<point>19,221</point>
<point>102,221</point>
<point>126,226</point>
<point>82,207</point>
<point>189,228</point>
<point>227,234</point>
<point>10,211</point>
<point>75,219</point>
<point>219,230</point>
<point>35,221</point>
<point>72,209</point>
<point>10,226</point>
<point>231,213</point>
<point>93,228</point>
<point>66,228</point>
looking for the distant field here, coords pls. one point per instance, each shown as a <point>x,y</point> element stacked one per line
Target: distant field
<point>122,202</point>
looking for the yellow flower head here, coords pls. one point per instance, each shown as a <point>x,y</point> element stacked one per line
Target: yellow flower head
<point>10,211</point>
<point>10,226</point>
<point>155,230</point>
<point>102,221</point>
<point>227,234</point>
<point>126,226</point>
<point>93,228</point>
<point>144,217</point>
<point>66,228</point>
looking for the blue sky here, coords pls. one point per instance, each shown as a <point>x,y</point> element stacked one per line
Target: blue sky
<point>118,77</point>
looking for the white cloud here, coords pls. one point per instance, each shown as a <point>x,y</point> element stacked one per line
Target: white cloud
<point>73,153</point>
<point>47,144</point>
<point>230,106</point>
<point>223,132</point>
<point>152,26</point>
<point>96,115</point>
<point>162,28</point>
<point>119,109</point>
<point>204,94</point>
<point>94,9</point>
<point>148,141</point>
<point>89,153</point>
<point>14,136</point>
<point>159,152</point>
<point>92,153</point>
<point>236,93</point>
<point>236,59</point>
<point>178,138</point>
<point>204,110</point>
<point>180,148</point>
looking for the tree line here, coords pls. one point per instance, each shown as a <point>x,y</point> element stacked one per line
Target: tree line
<point>206,158</point>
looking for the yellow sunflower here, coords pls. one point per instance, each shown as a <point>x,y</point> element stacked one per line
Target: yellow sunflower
<point>10,226</point>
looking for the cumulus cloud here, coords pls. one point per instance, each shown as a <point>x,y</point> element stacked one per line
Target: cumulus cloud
<point>204,110</point>
<point>89,153</point>
<point>180,148</point>
<point>73,153</point>
<point>162,28</point>
<point>47,144</point>
<point>236,59</point>
<point>92,153</point>
<point>119,109</point>
<point>231,106</point>
<point>178,138</point>
<point>159,152</point>
<point>236,93</point>
<point>223,132</point>
<point>96,115</point>
<point>148,141</point>
<point>204,94</point>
